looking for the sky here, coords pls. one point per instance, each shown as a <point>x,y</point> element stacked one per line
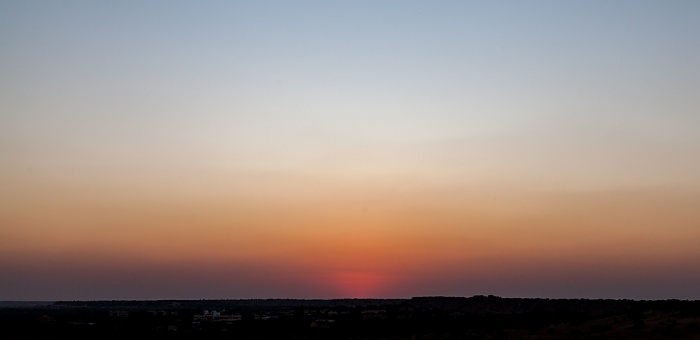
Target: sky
<point>333,149</point>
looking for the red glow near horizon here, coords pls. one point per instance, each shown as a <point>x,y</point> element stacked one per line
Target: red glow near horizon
<point>359,284</point>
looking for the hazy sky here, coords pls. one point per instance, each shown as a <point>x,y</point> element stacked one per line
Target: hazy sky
<point>327,149</point>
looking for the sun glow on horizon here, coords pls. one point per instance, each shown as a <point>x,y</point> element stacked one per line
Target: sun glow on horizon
<point>360,284</point>
<point>349,149</point>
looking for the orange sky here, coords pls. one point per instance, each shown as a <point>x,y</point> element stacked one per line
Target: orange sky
<point>355,239</point>
<point>272,149</point>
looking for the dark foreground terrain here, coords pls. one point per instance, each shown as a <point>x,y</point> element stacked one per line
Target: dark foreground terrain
<point>478,317</point>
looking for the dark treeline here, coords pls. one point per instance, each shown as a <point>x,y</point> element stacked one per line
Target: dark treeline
<point>421,318</point>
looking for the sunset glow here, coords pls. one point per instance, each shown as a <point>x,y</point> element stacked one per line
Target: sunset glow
<point>271,149</point>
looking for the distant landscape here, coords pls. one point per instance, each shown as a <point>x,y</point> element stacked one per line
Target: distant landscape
<point>417,318</point>
<point>314,169</point>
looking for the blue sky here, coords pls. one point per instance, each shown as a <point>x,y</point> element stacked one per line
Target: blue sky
<point>132,112</point>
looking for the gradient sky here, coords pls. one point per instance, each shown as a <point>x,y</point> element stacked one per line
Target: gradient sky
<point>328,149</point>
